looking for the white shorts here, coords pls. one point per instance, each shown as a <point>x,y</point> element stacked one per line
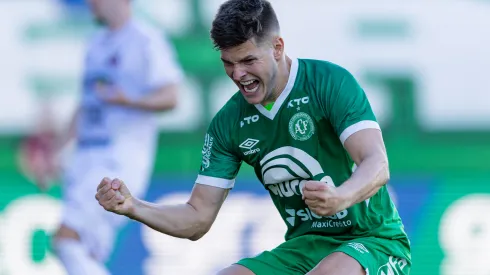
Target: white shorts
<point>96,227</point>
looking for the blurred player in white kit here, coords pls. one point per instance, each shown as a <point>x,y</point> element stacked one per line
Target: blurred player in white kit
<point>130,75</point>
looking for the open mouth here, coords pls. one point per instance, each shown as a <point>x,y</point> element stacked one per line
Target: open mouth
<point>250,86</point>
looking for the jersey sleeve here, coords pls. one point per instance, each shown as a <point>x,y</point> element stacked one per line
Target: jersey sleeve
<point>219,165</point>
<point>347,106</point>
<point>163,68</point>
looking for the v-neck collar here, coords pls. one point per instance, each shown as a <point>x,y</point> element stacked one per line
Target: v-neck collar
<point>285,93</point>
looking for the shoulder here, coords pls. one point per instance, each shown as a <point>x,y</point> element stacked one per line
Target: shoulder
<point>322,69</point>
<point>324,79</point>
<point>226,122</point>
<point>146,33</point>
<point>94,43</point>
<point>229,115</point>
<point>96,38</point>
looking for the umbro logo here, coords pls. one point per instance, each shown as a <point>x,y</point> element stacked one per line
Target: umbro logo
<point>248,144</point>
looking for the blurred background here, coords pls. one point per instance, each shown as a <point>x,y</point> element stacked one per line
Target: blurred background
<point>423,64</point>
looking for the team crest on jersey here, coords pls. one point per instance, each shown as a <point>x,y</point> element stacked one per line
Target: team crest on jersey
<point>301,126</point>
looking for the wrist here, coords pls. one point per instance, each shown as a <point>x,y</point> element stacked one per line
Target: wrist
<point>134,207</point>
<point>346,194</point>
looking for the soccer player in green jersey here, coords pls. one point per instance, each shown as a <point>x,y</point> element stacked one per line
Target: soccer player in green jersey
<point>308,130</point>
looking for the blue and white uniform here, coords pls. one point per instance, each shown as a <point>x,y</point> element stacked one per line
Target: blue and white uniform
<point>115,141</point>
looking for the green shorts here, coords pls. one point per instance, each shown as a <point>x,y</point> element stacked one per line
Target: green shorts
<point>300,255</point>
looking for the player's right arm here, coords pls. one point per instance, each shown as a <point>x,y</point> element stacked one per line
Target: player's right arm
<point>193,219</point>
<point>190,220</point>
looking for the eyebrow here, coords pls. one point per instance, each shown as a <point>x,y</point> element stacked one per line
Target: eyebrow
<point>225,61</point>
<point>246,58</point>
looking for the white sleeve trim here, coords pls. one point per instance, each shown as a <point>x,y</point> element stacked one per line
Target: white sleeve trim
<point>354,128</point>
<point>216,182</point>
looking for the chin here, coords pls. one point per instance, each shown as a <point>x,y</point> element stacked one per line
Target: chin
<point>256,99</point>
<point>253,102</point>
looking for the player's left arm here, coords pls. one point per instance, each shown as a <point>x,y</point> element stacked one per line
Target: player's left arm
<point>164,74</point>
<point>359,132</point>
<point>367,150</point>
<point>347,107</point>
<point>158,100</point>
<point>163,78</point>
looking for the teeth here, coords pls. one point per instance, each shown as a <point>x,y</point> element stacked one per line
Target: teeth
<point>252,90</point>
<point>245,83</point>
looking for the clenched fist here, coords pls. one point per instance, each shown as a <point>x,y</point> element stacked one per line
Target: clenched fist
<point>114,196</point>
<point>323,199</point>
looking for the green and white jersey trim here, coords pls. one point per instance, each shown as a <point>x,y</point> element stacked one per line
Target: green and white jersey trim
<point>356,127</point>
<point>285,93</point>
<point>216,182</point>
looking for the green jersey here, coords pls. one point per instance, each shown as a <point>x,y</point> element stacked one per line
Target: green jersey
<point>301,138</point>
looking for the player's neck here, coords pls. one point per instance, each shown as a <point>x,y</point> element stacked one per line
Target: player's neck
<point>282,79</point>
<point>119,21</point>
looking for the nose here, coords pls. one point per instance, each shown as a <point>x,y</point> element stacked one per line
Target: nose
<point>238,72</point>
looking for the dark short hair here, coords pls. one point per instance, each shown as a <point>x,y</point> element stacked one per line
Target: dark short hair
<point>237,21</point>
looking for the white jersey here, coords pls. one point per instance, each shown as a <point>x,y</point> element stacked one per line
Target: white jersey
<point>137,59</point>
<point>115,141</point>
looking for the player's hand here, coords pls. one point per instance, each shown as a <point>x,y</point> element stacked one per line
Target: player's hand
<point>114,196</point>
<point>322,198</point>
<point>112,94</point>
